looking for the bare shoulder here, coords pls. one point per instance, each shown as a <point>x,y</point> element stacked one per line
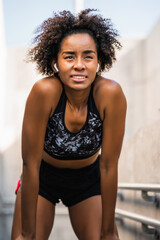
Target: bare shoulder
<point>107,86</point>
<point>45,95</point>
<point>47,87</point>
<point>108,94</point>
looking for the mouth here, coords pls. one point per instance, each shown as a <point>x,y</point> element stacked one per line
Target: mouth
<point>78,78</point>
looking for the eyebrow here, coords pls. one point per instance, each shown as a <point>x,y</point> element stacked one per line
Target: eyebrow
<point>72,52</point>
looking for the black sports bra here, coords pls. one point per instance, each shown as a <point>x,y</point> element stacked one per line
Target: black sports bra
<point>62,144</point>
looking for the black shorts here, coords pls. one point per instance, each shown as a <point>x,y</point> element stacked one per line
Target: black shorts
<point>71,186</point>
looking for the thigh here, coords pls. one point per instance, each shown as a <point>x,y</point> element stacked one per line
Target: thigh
<point>86,218</point>
<point>44,220</point>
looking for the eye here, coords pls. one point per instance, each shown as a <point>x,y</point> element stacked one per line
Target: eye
<point>89,57</point>
<point>69,57</point>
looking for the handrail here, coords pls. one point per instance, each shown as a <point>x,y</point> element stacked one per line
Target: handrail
<point>140,186</point>
<point>139,218</point>
<point>145,188</point>
<point>145,221</point>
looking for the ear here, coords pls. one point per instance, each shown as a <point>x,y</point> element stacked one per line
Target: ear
<point>54,66</point>
<point>98,67</point>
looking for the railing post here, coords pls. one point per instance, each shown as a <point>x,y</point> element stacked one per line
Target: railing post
<point>149,198</point>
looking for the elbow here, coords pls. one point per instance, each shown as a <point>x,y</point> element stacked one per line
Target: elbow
<point>27,162</point>
<point>31,165</point>
<point>109,165</point>
<point>104,166</point>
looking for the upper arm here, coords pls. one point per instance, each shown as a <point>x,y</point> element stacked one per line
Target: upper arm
<point>37,111</point>
<point>114,107</point>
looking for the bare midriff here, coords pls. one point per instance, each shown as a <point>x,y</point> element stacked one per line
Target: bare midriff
<point>74,164</point>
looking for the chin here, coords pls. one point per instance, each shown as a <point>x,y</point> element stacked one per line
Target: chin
<point>81,86</point>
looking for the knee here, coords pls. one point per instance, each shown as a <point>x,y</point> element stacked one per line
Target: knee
<point>90,235</point>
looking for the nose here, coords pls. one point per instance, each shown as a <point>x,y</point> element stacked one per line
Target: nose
<point>78,64</point>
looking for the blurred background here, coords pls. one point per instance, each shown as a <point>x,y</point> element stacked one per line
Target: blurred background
<point>137,69</point>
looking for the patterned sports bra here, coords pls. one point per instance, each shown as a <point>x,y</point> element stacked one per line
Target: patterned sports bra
<point>62,144</point>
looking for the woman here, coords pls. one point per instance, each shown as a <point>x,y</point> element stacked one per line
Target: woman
<point>69,116</point>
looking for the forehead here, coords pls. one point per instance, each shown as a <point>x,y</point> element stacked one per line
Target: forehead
<point>78,41</point>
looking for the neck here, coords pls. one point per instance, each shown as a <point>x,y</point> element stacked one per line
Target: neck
<point>77,99</point>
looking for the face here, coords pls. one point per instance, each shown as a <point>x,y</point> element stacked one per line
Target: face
<point>77,61</point>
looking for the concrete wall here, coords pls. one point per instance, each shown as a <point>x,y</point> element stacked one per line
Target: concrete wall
<point>138,71</point>
<point>140,157</point>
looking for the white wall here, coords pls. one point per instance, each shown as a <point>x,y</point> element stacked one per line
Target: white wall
<point>138,71</point>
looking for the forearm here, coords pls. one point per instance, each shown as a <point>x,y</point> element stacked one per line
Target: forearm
<point>109,194</point>
<point>30,187</point>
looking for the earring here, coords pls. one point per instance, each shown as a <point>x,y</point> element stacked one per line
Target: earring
<point>97,68</point>
<point>55,66</point>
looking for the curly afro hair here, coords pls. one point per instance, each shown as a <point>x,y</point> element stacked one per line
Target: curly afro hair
<point>52,31</point>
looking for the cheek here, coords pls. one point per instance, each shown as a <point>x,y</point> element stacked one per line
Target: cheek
<point>93,70</point>
<point>64,67</point>
<point>93,66</point>
<point>63,75</point>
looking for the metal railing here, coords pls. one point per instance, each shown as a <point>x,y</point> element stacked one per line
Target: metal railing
<point>140,186</point>
<point>149,225</point>
<point>139,218</point>
<point>144,188</point>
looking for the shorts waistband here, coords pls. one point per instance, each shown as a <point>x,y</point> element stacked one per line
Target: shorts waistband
<point>70,170</point>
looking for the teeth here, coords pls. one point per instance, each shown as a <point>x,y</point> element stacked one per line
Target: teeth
<point>79,77</point>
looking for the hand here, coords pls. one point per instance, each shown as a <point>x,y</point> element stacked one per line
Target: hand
<point>20,237</point>
<point>110,237</point>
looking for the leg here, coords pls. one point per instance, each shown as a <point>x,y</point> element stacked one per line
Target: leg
<point>16,225</point>
<point>45,218</point>
<point>86,218</point>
